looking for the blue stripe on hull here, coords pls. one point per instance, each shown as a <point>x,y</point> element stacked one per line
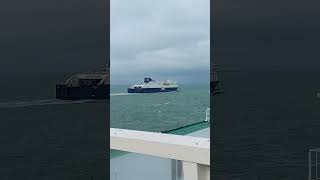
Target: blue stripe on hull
<point>151,90</point>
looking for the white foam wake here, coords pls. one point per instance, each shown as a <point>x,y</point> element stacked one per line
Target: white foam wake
<point>122,94</point>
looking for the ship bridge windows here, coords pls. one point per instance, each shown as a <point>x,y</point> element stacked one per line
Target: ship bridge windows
<point>137,87</point>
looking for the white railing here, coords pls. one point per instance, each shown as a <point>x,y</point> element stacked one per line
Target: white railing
<point>207,115</point>
<point>194,152</point>
<point>313,164</point>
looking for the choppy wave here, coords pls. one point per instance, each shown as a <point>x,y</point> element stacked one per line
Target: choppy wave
<point>161,104</point>
<point>122,94</point>
<point>41,102</point>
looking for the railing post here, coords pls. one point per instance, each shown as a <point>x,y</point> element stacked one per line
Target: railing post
<point>176,169</point>
<point>193,171</point>
<point>316,165</point>
<point>207,114</point>
<point>173,169</point>
<point>310,166</point>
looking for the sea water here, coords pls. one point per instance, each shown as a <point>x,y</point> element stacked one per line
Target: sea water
<point>158,111</point>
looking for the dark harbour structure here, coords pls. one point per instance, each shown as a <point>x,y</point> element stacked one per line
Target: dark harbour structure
<point>215,84</point>
<point>87,85</point>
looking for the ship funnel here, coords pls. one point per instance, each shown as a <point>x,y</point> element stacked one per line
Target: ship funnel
<point>146,80</point>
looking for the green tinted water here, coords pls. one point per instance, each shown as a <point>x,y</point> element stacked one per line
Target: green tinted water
<point>158,111</point>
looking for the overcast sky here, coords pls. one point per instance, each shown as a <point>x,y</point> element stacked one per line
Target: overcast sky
<point>164,39</point>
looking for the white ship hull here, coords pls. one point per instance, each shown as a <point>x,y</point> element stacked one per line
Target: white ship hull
<point>150,86</point>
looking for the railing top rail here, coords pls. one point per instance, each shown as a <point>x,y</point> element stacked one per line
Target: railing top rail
<point>185,148</point>
<point>314,150</point>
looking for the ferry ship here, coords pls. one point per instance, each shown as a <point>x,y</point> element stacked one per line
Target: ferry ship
<point>151,86</point>
<point>88,85</point>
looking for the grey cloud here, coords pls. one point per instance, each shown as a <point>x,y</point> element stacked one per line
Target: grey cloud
<point>159,37</point>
